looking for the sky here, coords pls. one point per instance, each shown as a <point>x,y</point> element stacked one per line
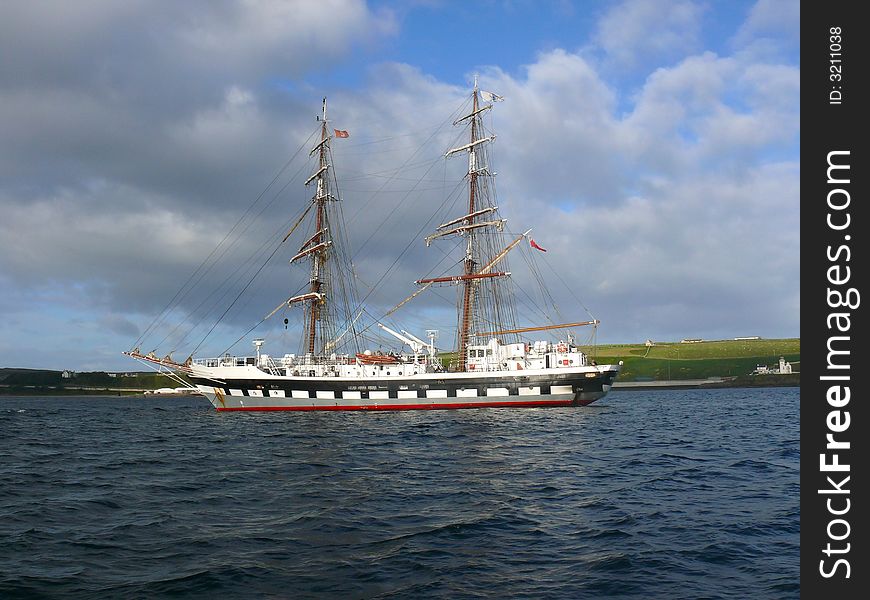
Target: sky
<point>652,146</point>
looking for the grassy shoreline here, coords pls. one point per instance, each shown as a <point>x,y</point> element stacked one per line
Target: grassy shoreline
<point>698,360</point>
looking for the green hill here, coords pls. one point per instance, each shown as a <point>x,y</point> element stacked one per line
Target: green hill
<point>37,381</point>
<point>698,360</point>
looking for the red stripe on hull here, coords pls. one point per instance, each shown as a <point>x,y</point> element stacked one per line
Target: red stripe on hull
<point>369,407</point>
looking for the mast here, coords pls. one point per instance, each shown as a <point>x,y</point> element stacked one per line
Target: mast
<point>317,244</point>
<point>331,291</point>
<point>481,302</point>
<point>468,283</point>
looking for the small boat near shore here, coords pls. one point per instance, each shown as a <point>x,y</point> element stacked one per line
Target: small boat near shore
<point>176,391</point>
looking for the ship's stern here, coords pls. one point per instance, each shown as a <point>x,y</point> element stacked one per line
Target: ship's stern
<point>597,387</point>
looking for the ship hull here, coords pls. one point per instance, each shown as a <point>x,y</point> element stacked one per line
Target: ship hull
<point>425,392</point>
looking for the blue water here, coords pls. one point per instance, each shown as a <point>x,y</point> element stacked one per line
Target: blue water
<point>646,494</point>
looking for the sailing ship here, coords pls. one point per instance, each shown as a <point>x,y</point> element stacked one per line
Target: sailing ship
<point>496,363</point>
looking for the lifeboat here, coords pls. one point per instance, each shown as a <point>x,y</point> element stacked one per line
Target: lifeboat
<point>377,359</point>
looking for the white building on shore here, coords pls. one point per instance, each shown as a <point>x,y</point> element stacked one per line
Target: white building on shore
<point>784,368</point>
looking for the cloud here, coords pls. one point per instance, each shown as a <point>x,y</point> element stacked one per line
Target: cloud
<point>94,90</point>
<point>640,32</point>
<point>135,138</point>
<point>778,19</point>
<point>121,325</point>
<point>250,36</point>
<point>127,46</point>
<point>709,110</point>
<point>560,127</point>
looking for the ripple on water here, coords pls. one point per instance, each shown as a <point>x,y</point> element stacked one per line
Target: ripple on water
<point>648,494</point>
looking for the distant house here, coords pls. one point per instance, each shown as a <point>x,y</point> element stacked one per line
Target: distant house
<point>750,337</point>
<point>68,374</point>
<point>784,368</point>
<point>650,343</point>
<point>691,341</point>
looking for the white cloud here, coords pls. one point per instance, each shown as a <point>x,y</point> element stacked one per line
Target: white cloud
<point>641,32</point>
<point>557,130</point>
<point>770,18</point>
<point>713,110</point>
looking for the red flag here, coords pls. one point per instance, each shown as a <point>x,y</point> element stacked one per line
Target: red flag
<point>341,133</point>
<point>535,246</point>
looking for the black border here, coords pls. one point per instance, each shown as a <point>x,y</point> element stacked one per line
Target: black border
<point>827,127</point>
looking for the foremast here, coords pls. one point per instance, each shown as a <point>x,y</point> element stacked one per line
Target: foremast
<point>483,303</point>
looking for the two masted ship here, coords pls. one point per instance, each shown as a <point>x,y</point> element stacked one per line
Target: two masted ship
<point>495,363</point>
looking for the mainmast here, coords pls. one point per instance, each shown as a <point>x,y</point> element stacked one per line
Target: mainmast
<point>316,246</point>
<point>480,303</point>
<point>468,284</point>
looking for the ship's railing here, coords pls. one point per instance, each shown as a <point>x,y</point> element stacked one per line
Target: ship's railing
<point>273,363</point>
<point>226,361</point>
<point>268,362</point>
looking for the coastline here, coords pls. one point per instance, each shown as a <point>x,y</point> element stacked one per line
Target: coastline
<point>31,390</point>
<point>740,381</point>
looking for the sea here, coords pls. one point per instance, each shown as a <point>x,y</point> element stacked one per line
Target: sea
<point>644,494</point>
